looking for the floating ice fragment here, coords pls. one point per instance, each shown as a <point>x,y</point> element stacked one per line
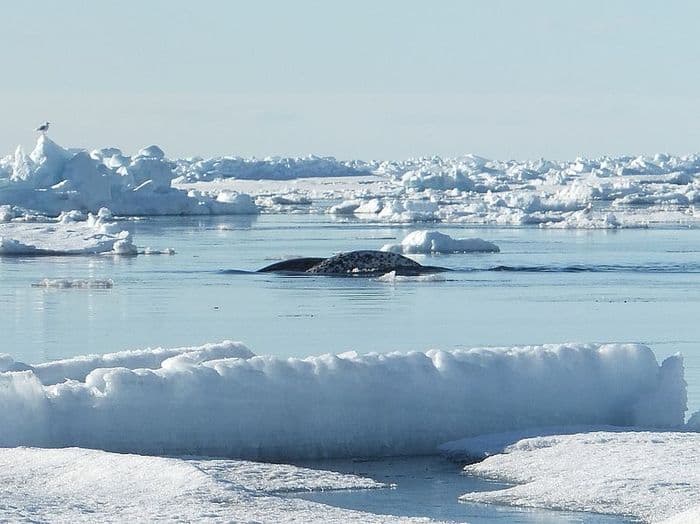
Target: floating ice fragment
<point>63,283</point>
<point>427,242</point>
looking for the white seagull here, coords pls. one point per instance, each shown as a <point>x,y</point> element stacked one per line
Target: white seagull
<point>43,128</point>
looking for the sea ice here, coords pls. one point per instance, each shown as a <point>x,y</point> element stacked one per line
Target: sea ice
<point>392,278</point>
<point>221,400</point>
<point>95,234</point>
<point>426,242</point>
<point>52,180</point>
<point>271,168</point>
<point>607,192</point>
<point>397,210</point>
<point>80,485</point>
<point>642,474</point>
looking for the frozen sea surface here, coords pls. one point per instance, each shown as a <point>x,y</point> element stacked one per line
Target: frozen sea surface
<point>545,286</point>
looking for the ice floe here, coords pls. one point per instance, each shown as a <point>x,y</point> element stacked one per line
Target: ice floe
<point>221,400</point>
<point>426,242</point>
<point>641,474</point>
<point>69,234</point>
<point>81,485</point>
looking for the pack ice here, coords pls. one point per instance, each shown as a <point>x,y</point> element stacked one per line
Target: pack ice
<point>602,193</point>
<point>52,180</point>
<point>221,400</point>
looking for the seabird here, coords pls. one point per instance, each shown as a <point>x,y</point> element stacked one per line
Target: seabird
<point>43,128</point>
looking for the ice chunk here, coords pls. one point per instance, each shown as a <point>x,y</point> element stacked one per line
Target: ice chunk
<point>397,210</point>
<point>64,283</point>
<point>435,242</point>
<point>347,207</point>
<point>392,278</point>
<point>151,152</point>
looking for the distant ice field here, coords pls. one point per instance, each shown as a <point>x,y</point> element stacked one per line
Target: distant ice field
<point>544,286</point>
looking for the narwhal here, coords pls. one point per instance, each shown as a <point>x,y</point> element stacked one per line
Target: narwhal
<point>353,263</point>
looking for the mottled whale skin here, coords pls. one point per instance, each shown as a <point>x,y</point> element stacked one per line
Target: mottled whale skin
<point>353,263</point>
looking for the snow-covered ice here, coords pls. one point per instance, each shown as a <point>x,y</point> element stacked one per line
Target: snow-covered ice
<point>271,168</point>
<point>66,235</point>
<point>607,192</point>
<point>53,179</point>
<point>71,233</point>
<point>604,193</point>
<point>427,242</point>
<point>78,368</point>
<point>221,400</point>
<point>80,485</point>
<point>642,474</point>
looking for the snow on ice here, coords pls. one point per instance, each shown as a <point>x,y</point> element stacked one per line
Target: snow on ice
<point>80,485</point>
<point>427,242</point>
<point>221,400</point>
<point>69,234</point>
<point>642,474</point>
<point>602,193</point>
<point>271,168</point>
<point>52,180</point>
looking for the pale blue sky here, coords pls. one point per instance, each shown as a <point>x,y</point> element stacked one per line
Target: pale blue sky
<point>356,79</point>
